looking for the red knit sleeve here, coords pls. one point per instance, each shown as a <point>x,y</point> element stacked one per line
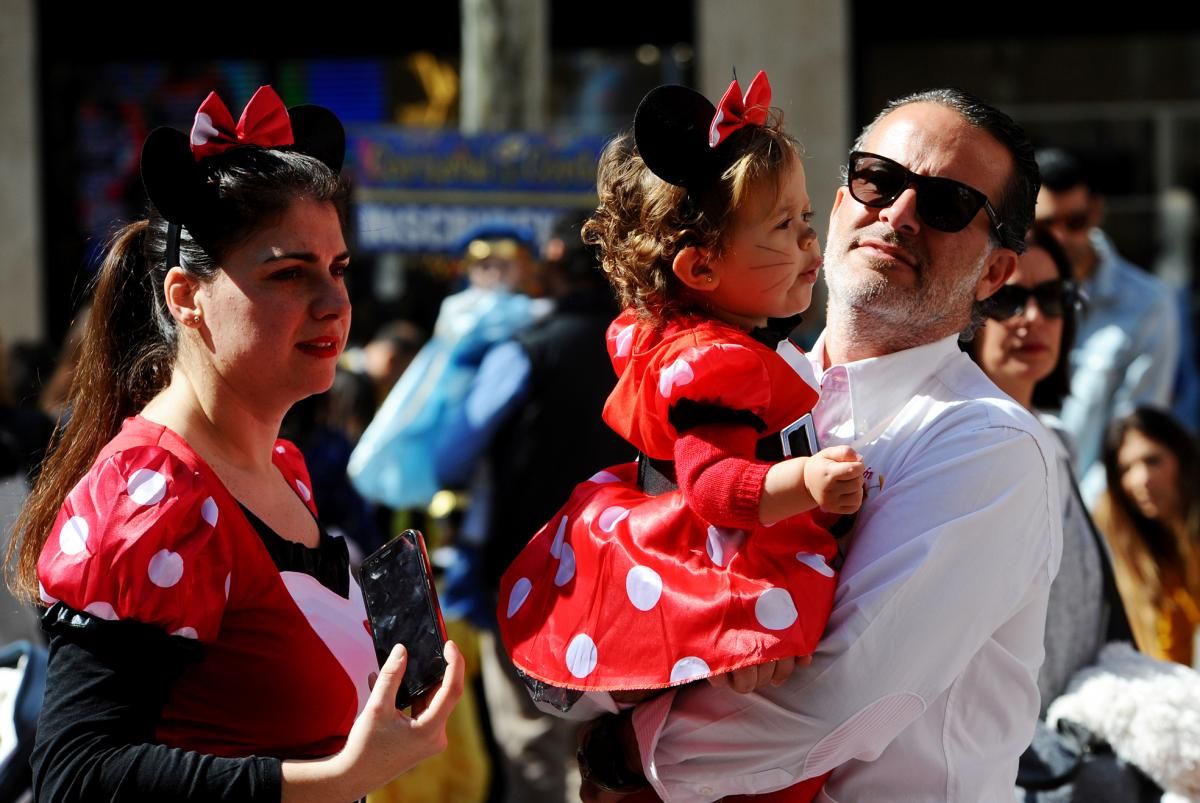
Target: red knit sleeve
<point>718,476</point>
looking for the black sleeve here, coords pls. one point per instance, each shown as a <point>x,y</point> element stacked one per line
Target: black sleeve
<point>106,686</point>
<point>686,414</point>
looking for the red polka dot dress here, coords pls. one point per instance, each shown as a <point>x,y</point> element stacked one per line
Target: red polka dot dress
<point>150,534</point>
<point>627,590</point>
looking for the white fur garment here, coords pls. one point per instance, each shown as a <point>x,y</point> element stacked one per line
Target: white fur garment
<point>1148,710</point>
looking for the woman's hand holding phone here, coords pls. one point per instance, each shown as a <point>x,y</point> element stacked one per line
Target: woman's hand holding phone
<point>384,742</point>
<point>390,741</point>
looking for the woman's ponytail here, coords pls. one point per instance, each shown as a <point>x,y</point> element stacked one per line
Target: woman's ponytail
<point>125,360</point>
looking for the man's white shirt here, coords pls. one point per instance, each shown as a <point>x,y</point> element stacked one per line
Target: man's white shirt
<point>924,687</point>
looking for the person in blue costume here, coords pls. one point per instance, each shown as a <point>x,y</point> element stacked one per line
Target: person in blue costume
<point>394,462</point>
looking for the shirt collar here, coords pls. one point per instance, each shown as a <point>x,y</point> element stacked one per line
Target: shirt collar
<point>879,387</point>
<point>1105,281</point>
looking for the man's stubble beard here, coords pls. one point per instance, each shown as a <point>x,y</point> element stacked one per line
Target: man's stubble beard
<point>870,312</point>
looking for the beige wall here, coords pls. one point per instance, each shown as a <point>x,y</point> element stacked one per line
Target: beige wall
<point>804,47</point>
<point>20,202</point>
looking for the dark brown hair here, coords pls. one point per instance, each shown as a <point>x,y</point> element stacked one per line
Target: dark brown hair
<point>642,222</point>
<point>1048,394</point>
<point>130,339</point>
<point>1142,545</point>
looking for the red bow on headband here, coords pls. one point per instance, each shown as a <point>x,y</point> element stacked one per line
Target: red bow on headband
<point>264,122</point>
<point>735,111</point>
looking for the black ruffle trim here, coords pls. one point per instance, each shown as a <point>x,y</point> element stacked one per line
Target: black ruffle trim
<point>686,414</point>
<point>776,331</point>
<point>328,562</point>
<point>121,641</point>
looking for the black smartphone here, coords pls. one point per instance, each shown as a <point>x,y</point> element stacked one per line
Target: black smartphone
<point>800,437</point>
<point>402,608</point>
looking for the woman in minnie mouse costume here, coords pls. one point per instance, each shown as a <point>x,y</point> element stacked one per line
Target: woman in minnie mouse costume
<point>207,641</point>
<point>707,558</point>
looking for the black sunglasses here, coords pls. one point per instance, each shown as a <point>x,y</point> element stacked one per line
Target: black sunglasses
<point>1053,297</point>
<point>943,203</point>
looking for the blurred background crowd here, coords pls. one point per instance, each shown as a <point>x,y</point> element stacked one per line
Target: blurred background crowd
<point>469,402</point>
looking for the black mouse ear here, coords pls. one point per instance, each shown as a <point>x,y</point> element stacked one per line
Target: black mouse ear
<point>173,180</point>
<point>670,129</point>
<point>318,133</point>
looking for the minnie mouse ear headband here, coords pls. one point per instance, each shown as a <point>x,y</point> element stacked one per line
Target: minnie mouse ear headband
<point>172,172</point>
<point>680,134</point>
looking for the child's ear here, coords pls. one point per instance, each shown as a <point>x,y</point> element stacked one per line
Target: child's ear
<point>691,267</point>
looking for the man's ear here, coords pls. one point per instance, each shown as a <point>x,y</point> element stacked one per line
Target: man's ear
<point>691,267</point>
<point>838,198</point>
<point>999,267</point>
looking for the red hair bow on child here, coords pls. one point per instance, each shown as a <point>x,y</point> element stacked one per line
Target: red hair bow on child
<point>264,123</point>
<point>735,110</point>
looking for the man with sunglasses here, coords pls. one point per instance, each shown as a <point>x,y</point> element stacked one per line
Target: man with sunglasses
<point>1127,348</point>
<point>924,687</point>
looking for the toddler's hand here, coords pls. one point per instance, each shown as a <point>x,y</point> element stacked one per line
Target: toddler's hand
<point>753,678</point>
<point>834,478</point>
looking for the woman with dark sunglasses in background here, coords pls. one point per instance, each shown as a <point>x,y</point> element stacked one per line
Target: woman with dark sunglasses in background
<point>1023,347</point>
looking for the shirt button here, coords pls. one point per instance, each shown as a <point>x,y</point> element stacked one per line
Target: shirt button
<point>706,790</point>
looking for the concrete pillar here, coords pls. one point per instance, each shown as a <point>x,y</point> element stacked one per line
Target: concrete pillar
<point>21,313</point>
<point>804,45</point>
<point>505,65</point>
<point>805,48</point>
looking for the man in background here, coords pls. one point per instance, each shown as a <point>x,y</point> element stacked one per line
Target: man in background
<point>1127,346</point>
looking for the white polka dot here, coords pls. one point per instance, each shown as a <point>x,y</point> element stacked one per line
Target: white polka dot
<point>815,562</point>
<point>305,494</point>
<point>186,632</point>
<point>677,374</point>
<point>625,341</point>
<point>228,582</point>
<point>611,517</point>
<point>518,595</point>
<point>44,596</point>
<point>166,568</point>
<point>103,610</point>
<point>566,567</point>
<point>604,477</point>
<point>279,449</point>
<point>557,544</point>
<point>208,511</point>
<point>688,668</point>
<point>775,609</point>
<point>72,538</point>
<point>147,487</point>
<point>581,656</point>
<point>723,544</point>
<point>644,587</point>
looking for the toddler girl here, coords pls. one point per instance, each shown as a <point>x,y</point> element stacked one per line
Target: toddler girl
<point>706,555</point>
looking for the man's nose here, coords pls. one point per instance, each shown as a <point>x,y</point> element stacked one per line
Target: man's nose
<point>1057,230</point>
<point>1137,476</point>
<point>901,214</point>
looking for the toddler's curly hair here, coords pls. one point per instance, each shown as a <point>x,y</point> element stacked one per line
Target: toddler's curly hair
<point>642,222</point>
